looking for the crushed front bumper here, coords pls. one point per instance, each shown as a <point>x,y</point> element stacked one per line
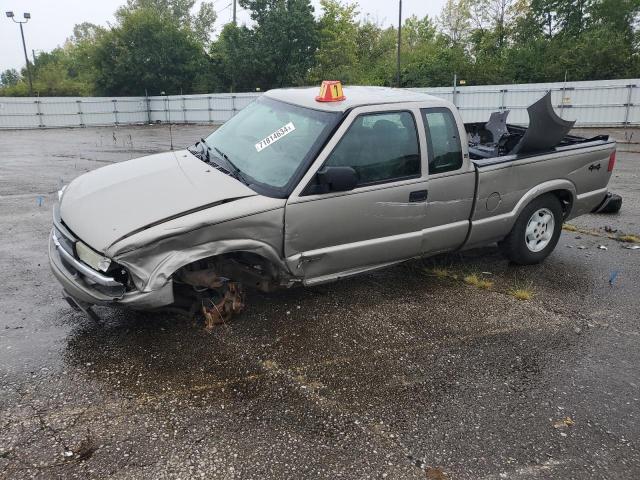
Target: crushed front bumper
<point>79,281</point>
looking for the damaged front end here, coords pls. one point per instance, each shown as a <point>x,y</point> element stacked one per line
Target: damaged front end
<point>88,278</point>
<point>215,286</point>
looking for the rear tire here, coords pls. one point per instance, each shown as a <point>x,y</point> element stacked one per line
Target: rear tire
<point>536,231</point>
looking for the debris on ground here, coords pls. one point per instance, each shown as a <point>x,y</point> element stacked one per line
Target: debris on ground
<point>564,423</point>
<point>434,473</point>
<point>629,238</point>
<point>612,277</point>
<point>602,247</point>
<point>232,303</point>
<point>632,247</point>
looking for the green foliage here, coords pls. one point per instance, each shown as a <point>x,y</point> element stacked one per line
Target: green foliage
<point>179,11</point>
<point>165,45</point>
<point>9,78</point>
<point>149,52</point>
<point>235,67</point>
<point>284,41</point>
<point>336,56</point>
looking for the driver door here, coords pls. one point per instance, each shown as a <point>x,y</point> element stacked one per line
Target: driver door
<point>334,234</point>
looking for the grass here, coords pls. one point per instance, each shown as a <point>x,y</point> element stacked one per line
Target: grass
<point>441,272</point>
<point>476,281</point>
<point>521,293</point>
<point>472,280</point>
<point>629,238</point>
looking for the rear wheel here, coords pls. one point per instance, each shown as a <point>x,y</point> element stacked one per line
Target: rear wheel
<point>536,231</point>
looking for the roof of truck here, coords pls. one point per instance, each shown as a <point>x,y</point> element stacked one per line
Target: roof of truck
<point>355,97</point>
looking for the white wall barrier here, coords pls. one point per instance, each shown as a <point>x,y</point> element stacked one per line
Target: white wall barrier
<point>598,103</point>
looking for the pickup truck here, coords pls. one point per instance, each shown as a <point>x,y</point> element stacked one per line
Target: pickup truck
<point>298,190</point>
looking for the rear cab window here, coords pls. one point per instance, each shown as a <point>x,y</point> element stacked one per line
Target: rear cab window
<point>443,140</point>
<point>380,147</point>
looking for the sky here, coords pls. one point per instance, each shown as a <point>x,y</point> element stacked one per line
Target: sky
<point>52,21</point>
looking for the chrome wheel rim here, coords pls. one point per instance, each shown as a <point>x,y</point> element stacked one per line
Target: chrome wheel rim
<point>539,230</point>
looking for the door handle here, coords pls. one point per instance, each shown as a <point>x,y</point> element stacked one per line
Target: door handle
<point>418,196</point>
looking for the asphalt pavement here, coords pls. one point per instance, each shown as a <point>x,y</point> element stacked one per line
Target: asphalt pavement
<point>408,373</point>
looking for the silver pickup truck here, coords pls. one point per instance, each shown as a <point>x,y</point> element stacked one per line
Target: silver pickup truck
<point>296,190</point>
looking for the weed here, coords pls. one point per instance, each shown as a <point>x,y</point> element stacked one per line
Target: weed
<point>441,272</point>
<point>629,238</point>
<point>472,280</point>
<point>476,281</point>
<point>521,293</point>
<point>569,228</point>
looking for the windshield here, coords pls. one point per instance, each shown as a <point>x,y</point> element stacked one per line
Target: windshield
<point>270,142</point>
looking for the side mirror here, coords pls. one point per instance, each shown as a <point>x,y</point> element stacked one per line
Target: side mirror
<point>337,179</point>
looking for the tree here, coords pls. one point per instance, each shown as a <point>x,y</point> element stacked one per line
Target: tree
<point>235,66</point>
<point>285,41</point>
<point>9,77</point>
<point>498,16</point>
<point>455,21</point>
<point>148,51</point>
<point>162,45</point>
<point>336,57</point>
<point>201,23</point>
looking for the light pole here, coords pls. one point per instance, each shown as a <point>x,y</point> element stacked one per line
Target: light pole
<point>26,16</point>
<point>399,41</point>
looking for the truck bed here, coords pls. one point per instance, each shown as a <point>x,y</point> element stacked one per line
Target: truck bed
<point>484,152</point>
<point>496,141</point>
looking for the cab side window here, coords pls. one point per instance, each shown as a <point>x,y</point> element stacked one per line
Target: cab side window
<point>443,140</point>
<point>380,147</point>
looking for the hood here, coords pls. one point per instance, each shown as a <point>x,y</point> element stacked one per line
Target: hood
<point>112,202</point>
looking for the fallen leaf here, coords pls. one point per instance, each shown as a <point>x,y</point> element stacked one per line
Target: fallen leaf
<point>564,423</point>
<point>435,474</point>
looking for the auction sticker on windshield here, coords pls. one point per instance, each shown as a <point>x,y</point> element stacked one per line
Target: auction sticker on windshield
<point>275,136</point>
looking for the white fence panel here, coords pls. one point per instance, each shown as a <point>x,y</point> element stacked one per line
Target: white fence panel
<point>597,103</point>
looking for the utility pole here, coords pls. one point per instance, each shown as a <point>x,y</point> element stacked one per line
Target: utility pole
<point>234,12</point>
<point>26,16</point>
<point>399,41</point>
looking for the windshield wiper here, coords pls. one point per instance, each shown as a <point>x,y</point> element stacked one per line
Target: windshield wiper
<point>236,172</point>
<point>203,152</point>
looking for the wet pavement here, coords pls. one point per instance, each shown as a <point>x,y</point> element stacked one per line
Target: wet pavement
<point>406,373</point>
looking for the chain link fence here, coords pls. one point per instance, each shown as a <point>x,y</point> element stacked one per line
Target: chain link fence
<point>611,103</point>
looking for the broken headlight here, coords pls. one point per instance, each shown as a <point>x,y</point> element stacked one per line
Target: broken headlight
<point>92,258</point>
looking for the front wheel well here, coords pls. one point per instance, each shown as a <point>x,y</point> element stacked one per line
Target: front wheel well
<point>249,268</point>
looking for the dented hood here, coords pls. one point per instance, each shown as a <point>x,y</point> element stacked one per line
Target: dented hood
<point>113,202</point>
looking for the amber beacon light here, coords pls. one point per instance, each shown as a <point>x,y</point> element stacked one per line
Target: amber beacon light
<point>331,91</point>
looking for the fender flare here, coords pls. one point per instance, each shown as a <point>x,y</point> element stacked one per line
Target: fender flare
<point>495,228</point>
<point>541,189</point>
